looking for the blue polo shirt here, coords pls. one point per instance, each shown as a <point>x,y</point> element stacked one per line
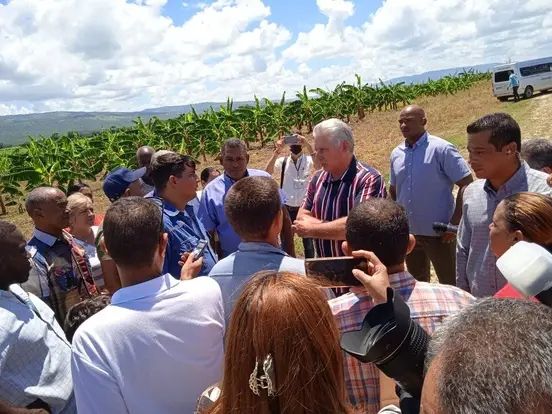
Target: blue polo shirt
<point>211,210</point>
<point>234,271</point>
<point>184,231</point>
<point>424,175</point>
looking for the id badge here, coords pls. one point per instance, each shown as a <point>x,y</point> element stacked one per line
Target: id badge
<point>298,184</point>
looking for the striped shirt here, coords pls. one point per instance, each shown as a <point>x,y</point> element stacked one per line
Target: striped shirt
<point>476,270</point>
<point>429,305</point>
<point>329,200</point>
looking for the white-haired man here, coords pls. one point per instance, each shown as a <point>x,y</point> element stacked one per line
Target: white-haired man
<point>343,183</point>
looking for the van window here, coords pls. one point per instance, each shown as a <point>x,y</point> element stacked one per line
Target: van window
<point>535,69</point>
<point>502,76</point>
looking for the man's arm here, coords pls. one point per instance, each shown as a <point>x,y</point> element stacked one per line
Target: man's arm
<point>278,147</point>
<point>463,242</point>
<point>286,235</point>
<point>457,215</point>
<point>308,226</point>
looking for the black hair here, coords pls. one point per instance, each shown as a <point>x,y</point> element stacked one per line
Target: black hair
<point>132,228</point>
<point>251,206</point>
<point>379,225</point>
<point>76,188</point>
<point>81,311</point>
<point>163,166</point>
<point>504,129</point>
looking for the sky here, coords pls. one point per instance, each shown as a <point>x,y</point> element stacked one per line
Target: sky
<point>117,55</point>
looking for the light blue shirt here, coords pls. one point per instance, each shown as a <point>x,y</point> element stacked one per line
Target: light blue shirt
<point>234,271</point>
<point>184,231</point>
<point>35,357</point>
<point>211,210</point>
<point>476,269</point>
<point>514,80</point>
<point>424,175</point>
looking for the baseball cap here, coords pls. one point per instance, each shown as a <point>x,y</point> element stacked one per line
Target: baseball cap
<point>118,180</point>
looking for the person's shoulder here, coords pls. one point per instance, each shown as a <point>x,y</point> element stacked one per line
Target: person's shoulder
<point>439,143</point>
<point>213,185</point>
<point>257,173</point>
<point>364,169</point>
<point>442,297</point>
<point>223,266</point>
<point>292,264</point>
<point>96,330</point>
<point>475,188</point>
<point>202,286</point>
<point>537,182</point>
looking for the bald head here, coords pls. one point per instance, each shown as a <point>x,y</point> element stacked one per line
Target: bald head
<point>412,121</point>
<point>143,156</point>
<point>47,207</point>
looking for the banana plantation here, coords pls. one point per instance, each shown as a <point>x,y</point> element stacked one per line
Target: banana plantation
<point>60,160</point>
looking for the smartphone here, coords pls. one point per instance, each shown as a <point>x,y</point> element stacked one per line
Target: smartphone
<point>338,270</point>
<point>198,250</point>
<point>291,140</point>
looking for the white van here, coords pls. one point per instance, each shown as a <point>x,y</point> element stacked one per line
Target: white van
<point>534,75</point>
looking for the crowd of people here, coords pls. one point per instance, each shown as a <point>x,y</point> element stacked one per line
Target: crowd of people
<point>185,301</point>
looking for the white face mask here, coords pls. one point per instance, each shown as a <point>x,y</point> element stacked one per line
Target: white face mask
<point>527,267</point>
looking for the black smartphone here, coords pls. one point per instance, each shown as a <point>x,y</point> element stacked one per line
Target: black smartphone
<point>291,140</point>
<point>338,270</point>
<point>198,250</point>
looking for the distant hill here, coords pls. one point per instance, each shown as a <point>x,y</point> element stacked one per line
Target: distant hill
<point>16,129</point>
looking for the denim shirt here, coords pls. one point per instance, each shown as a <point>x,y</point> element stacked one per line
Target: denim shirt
<point>184,231</point>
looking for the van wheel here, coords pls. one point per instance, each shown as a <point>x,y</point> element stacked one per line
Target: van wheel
<point>528,92</point>
<point>502,98</point>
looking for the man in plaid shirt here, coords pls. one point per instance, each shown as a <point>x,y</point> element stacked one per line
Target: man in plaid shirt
<point>381,226</point>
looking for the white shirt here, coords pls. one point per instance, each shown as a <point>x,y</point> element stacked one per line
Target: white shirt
<point>93,259</point>
<point>153,350</point>
<point>296,178</point>
<point>35,357</point>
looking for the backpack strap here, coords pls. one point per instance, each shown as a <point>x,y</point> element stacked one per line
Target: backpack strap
<point>283,171</point>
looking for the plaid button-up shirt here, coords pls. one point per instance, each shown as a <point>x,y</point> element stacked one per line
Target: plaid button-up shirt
<point>429,304</point>
<point>330,200</point>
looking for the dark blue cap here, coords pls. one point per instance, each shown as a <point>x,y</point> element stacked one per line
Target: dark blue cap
<point>118,180</point>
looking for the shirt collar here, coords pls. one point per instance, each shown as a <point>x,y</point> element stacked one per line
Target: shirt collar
<point>348,176</point>
<point>260,247</point>
<point>231,180</point>
<point>513,183</point>
<point>45,238</point>
<point>142,290</point>
<point>398,281</point>
<point>421,141</point>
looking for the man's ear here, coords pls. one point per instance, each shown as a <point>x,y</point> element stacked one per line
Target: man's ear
<point>247,157</point>
<point>346,249</point>
<point>163,241</point>
<point>519,236</point>
<point>510,148</point>
<point>411,243</point>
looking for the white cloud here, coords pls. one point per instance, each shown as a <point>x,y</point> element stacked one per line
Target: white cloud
<point>125,55</point>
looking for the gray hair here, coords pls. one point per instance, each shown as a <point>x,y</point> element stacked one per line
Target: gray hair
<point>233,143</point>
<point>38,196</point>
<point>337,130</point>
<point>537,152</point>
<point>495,357</point>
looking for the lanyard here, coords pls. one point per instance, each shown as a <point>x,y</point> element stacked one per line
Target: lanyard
<point>298,166</point>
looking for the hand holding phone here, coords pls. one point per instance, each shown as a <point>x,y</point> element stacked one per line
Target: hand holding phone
<point>292,139</point>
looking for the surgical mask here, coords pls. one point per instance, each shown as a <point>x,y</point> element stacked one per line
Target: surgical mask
<point>295,149</point>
